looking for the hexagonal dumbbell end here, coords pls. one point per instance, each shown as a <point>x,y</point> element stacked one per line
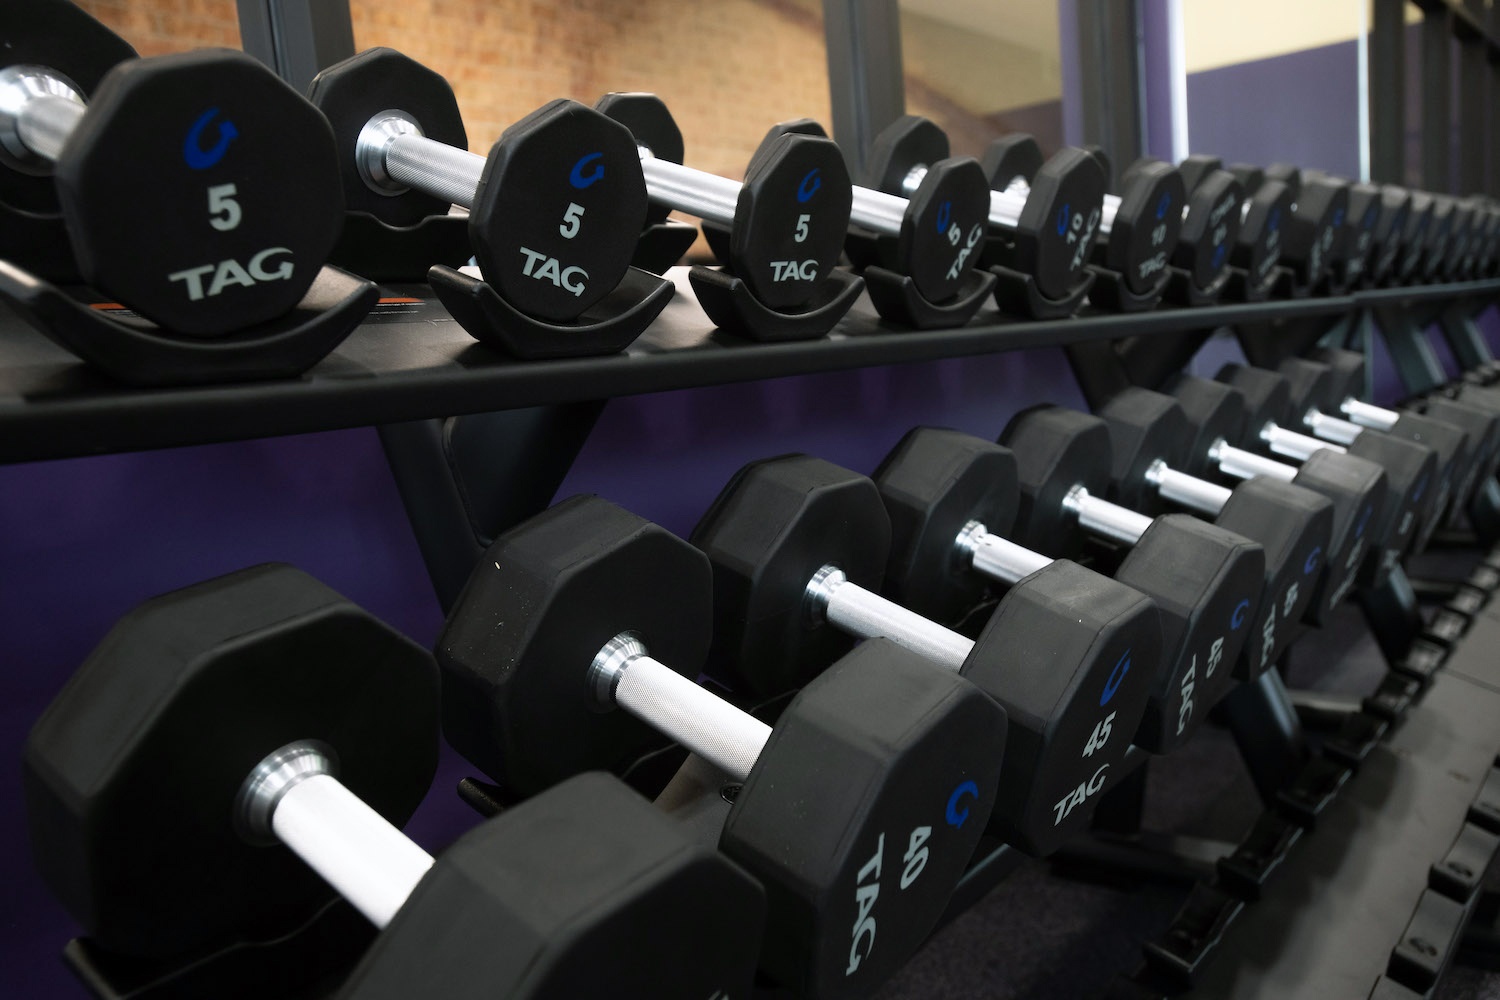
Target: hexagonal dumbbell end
<point>869,798</point>
<point>650,121</point>
<point>1012,157</point>
<point>571,893</point>
<point>548,596</point>
<point>1055,234</point>
<point>356,91</point>
<point>768,533</point>
<point>132,773</point>
<point>1144,233</point>
<point>238,237</point>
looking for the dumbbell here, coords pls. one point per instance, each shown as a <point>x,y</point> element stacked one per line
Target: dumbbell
<point>233,749</point>
<point>1151,439</point>
<point>1367,217</point>
<point>1487,250</point>
<point>1371,264</point>
<point>1268,204</point>
<point>787,220</point>
<point>798,546</point>
<point>1464,437</point>
<point>934,234</point>
<point>1220,418</point>
<point>1211,218</point>
<point>1048,232</point>
<point>1315,228</point>
<point>1434,245</point>
<point>1206,581</point>
<point>80,50</point>
<point>1138,227</point>
<point>1412,239</point>
<point>198,188</point>
<point>554,209</point>
<point>1419,457</point>
<point>859,809</point>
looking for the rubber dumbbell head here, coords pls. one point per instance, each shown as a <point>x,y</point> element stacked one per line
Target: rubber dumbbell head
<point>229,181</point>
<point>132,774</point>
<point>1143,231</point>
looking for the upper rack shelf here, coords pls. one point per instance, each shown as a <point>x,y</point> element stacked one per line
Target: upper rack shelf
<point>409,360</point>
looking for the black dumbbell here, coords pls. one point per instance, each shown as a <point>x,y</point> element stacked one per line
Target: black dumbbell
<point>1434,246</point>
<point>1211,216</point>
<point>232,750</point>
<point>1137,228</point>
<point>78,50</point>
<point>1384,238</point>
<point>1418,459</point>
<point>1363,222</point>
<point>1463,437</point>
<point>935,233</point>
<point>554,209</point>
<point>786,222</point>
<point>1221,420</point>
<point>1312,234</point>
<point>1206,581</point>
<point>799,545</point>
<point>860,807</point>
<point>1412,239</point>
<point>1267,207</point>
<point>1152,440</point>
<point>1048,232</point>
<point>198,189</point>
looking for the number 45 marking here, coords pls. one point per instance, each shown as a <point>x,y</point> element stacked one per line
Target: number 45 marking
<point>1100,735</point>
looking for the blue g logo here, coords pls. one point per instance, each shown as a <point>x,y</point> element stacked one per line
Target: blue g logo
<point>1310,564</point>
<point>193,152</point>
<point>1162,206</point>
<point>944,216</point>
<point>957,816</point>
<point>1238,618</point>
<point>581,180</point>
<point>809,186</point>
<point>1116,678</point>
<point>1062,220</point>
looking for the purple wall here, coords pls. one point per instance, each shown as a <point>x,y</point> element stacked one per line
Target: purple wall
<point>1299,108</point>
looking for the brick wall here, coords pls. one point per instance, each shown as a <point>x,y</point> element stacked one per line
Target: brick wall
<point>727,69</point>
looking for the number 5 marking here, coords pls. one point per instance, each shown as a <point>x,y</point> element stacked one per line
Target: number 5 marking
<point>571,220</point>
<point>223,211</point>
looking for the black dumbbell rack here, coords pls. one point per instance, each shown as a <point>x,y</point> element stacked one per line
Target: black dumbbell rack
<point>409,361</point>
<point>410,369</point>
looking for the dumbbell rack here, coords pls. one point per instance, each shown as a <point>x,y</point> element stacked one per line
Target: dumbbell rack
<point>409,360</point>
<point>409,367</point>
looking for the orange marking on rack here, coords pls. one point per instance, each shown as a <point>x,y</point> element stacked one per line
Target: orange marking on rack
<point>106,305</point>
<point>399,300</point>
